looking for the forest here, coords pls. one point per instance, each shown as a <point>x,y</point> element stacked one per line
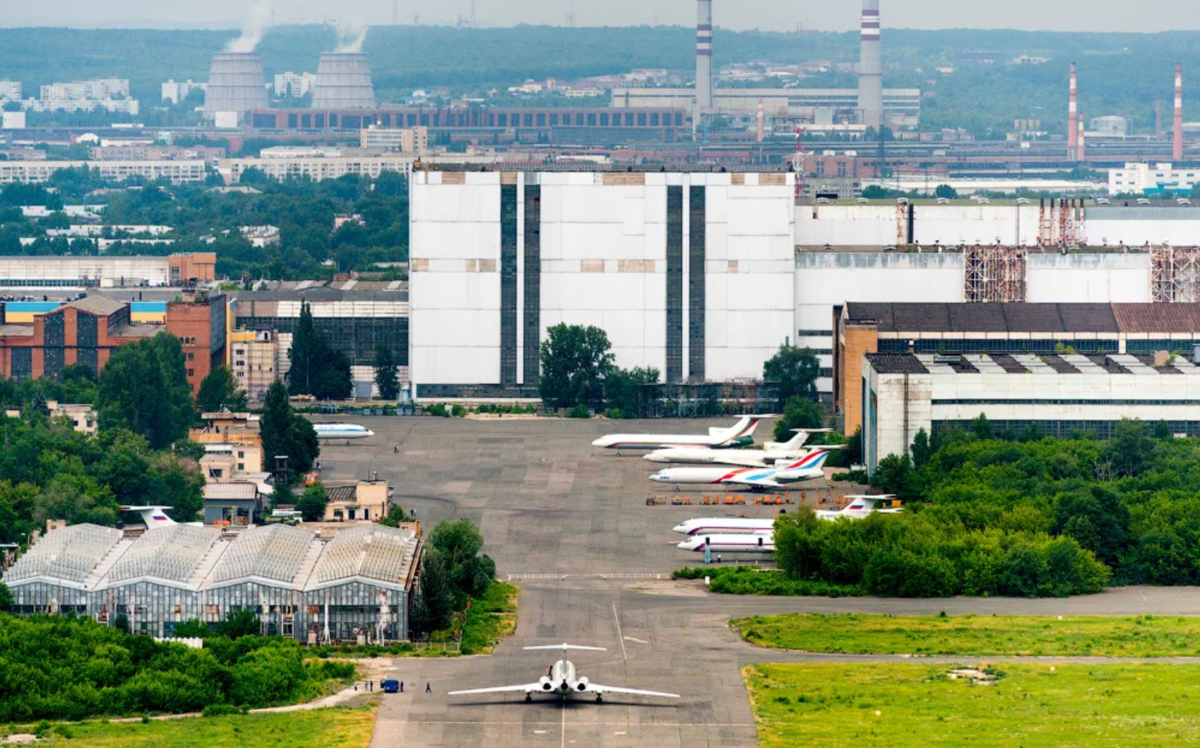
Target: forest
<point>1008,515</point>
<point>207,221</point>
<point>1120,74</point>
<point>73,668</point>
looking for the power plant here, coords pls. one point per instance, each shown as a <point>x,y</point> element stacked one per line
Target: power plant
<point>704,50</point>
<point>235,84</point>
<point>1073,121</point>
<point>343,82</point>
<point>870,67</point>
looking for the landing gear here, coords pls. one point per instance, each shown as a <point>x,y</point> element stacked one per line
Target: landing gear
<point>528,698</point>
<point>599,698</point>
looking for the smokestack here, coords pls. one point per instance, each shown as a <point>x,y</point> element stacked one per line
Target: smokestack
<point>760,120</point>
<point>1073,120</point>
<point>1081,154</point>
<point>1178,144</point>
<point>870,67</point>
<point>704,47</point>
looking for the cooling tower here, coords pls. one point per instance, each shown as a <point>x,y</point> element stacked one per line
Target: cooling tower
<point>343,82</point>
<point>235,84</point>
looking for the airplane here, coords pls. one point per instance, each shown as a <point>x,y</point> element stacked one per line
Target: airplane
<point>861,506</point>
<point>759,542</point>
<point>341,431</point>
<point>562,680</point>
<point>740,435</point>
<point>155,516</point>
<point>805,469</point>
<point>772,453</point>
<point>724,526</point>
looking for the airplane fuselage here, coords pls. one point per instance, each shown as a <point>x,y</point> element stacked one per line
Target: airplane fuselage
<point>724,526</point>
<point>762,542</point>
<point>342,431</point>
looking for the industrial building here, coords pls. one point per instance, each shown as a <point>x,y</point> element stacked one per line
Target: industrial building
<point>863,329</point>
<point>354,318</point>
<point>1055,395</point>
<point>35,273</point>
<point>1155,180</point>
<point>313,587</point>
<point>689,273</point>
<point>235,84</point>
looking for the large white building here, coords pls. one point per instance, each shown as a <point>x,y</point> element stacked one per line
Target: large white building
<point>174,171</point>
<point>107,88</point>
<point>1054,394</point>
<point>10,90</point>
<point>689,273</point>
<point>315,165</point>
<point>1153,179</point>
<point>177,91</point>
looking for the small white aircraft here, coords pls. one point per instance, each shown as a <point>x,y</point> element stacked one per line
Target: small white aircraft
<point>155,516</point>
<point>561,680</point>
<point>861,506</point>
<point>772,453</point>
<point>777,477</point>
<point>759,542</point>
<point>724,526</point>
<point>742,434</point>
<point>341,431</point>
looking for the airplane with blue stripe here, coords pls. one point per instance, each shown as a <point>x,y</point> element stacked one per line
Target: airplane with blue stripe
<point>779,477</point>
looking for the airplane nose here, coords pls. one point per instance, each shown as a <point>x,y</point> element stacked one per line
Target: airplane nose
<point>599,442</point>
<point>685,545</point>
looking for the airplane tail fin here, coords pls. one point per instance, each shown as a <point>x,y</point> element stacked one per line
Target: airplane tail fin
<point>810,461</point>
<point>152,516</point>
<point>566,647</point>
<point>797,441</point>
<point>744,428</point>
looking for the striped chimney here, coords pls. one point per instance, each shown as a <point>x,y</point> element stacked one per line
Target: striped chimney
<point>1073,120</point>
<point>1081,152</point>
<point>704,50</point>
<point>870,67</point>
<point>1177,151</point>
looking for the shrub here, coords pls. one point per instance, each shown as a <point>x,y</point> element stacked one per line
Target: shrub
<point>579,411</point>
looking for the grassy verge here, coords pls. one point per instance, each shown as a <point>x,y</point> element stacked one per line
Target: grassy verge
<point>1141,636</point>
<point>490,619</point>
<point>1033,706</point>
<point>319,728</point>
<point>751,580</point>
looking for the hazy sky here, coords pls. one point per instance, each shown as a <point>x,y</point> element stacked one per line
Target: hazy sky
<point>831,15</point>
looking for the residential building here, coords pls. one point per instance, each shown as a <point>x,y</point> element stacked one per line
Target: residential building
<point>10,90</point>
<point>314,166</point>
<point>176,92</point>
<point>91,90</point>
<point>403,139</point>
<point>365,500</point>
<point>294,85</point>
<point>1053,395</point>
<point>177,171</point>
<point>261,236</point>
<point>254,360</point>
<point>113,106</point>
<point>82,417</point>
<point>142,152</point>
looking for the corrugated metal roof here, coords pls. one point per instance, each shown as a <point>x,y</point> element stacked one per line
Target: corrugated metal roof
<point>896,363</point>
<point>243,491</point>
<point>1152,318</point>
<point>97,305</point>
<point>986,318</point>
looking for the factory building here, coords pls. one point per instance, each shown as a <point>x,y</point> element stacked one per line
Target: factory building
<point>1055,395</point>
<point>312,587</point>
<point>1153,180</point>
<point>1005,328</point>
<point>37,274</point>
<point>689,273</point>
<point>815,106</point>
<point>353,318</point>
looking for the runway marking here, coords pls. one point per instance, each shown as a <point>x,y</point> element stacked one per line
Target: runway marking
<point>540,732</point>
<point>620,637</point>
<point>564,723</point>
<point>519,577</point>
<point>639,641</point>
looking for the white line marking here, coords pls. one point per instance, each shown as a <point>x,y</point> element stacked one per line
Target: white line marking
<point>620,637</point>
<point>564,724</point>
<point>639,641</point>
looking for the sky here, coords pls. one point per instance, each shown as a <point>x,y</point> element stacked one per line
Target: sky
<point>782,15</point>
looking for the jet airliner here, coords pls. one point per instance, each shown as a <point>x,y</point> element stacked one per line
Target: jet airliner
<point>342,431</point>
<point>772,453</point>
<point>742,434</point>
<point>759,542</point>
<point>805,469</point>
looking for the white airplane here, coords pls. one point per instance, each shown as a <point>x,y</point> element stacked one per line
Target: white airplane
<point>861,506</point>
<point>780,476</point>
<point>341,431</point>
<point>724,526</point>
<point>773,452</point>
<point>155,516</point>
<point>561,680</point>
<point>740,435</point>
<point>759,542</point>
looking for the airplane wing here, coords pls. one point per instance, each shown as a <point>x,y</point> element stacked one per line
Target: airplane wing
<point>746,458</point>
<point>528,688</point>
<point>753,482</point>
<point>601,690</point>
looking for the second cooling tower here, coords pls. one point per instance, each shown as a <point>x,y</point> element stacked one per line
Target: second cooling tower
<point>235,84</point>
<point>343,82</point>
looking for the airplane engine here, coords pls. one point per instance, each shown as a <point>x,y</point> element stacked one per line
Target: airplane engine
<point>546,684</point>
<point>581,684</point>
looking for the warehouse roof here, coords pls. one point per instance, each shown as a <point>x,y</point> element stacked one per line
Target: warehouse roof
<point>1025,364</point>
<point>97,305</point>
<point>992,318</point>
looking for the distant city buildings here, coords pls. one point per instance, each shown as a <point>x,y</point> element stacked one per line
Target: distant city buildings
<point>403,139</point>
<point>10,90</point>
<point>294,85</point>
<point>36,172</point>
<point>106,94</point>
<point>176,92</point>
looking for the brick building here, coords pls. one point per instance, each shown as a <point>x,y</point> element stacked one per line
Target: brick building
<point>200,326</point>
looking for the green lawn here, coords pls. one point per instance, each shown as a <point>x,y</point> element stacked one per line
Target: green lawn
<point>1031,706</point>
<point>1142,636</point>
<point>491,618</point>
<point>320,728</point>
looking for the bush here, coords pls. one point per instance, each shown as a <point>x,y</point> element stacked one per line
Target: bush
<point>458,411</point>
<point>579,411</point>
<point>437,410</point>
<point>221,710</point>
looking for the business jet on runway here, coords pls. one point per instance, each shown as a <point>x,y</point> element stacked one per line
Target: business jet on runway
<point>861,506</point>
<point>341,431</point>
<point>773,453</point>
<point>561,680</point>
<point>778,477</point>
<point>740,435</point>
<point>759,542</point>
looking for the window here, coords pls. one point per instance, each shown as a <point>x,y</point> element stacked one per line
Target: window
<point>191,372</point>
<point>191,357</point>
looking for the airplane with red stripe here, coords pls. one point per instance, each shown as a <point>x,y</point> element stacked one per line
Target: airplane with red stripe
<point>760,542</point>
<point>779,477</point>
<point>741,435</point>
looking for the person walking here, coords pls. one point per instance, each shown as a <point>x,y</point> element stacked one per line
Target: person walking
<point>428,688</point>
<point>401,686</point>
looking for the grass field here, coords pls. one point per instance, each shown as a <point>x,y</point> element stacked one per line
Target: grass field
<point>491,618</point>
<point>1142,636</point>
<point>1031,706</point>
<point>318,728</point>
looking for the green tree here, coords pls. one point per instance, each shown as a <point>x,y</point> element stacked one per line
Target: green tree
<point>144,389</point>
<point>981,427</point>
<point>946,192</point>
<point>921,449</point>
<point>219,390</point>
<point>432,609</point>
<point>799,413</point>
<point>284,432</point>
<point>394,517</point>
<point>622,388</point>
<point>6,598</point>
<point>575,362</point>
<point>312,503</point>
<point>386,378</point>
<point>305,354</point>
<point>796,371</point>
<point>336,382</point>
<point>239,623</point>
<point>894,475</point>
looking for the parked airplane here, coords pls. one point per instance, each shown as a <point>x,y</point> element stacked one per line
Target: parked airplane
<point>342,431</point>
<point>759,542</point>
<point>154,516</point>
<point>804,469</point>
<point>772,453</point>
<point>563,681</point>
<point>724,526</point>
<point>740,435</point>
<point>861,506</point>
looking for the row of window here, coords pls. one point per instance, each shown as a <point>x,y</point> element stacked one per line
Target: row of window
<point>1035,401</point>
<point>1059,429</point>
